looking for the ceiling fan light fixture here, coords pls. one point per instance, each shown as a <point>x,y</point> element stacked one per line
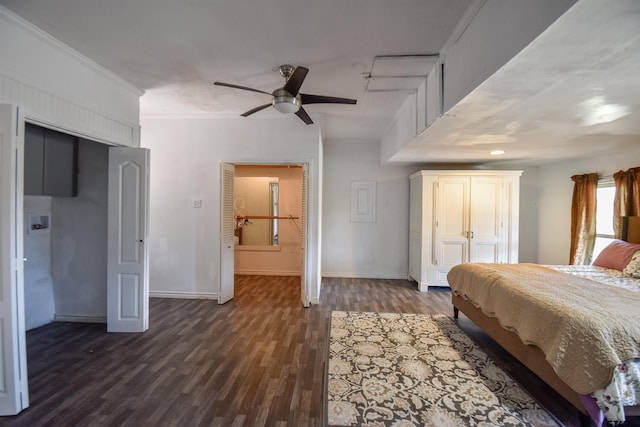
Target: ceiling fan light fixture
<point>285,103</point>
<point>288,99</point>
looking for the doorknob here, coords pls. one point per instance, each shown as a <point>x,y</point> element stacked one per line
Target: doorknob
<point>140,241</point>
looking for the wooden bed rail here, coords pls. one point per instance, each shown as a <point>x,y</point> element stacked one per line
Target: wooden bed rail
<point>529,355</point>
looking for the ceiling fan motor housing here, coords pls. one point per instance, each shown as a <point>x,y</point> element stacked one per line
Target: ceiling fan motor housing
<point>284,102</point>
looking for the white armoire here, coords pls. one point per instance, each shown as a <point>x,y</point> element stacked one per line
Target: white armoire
<point>458,216</point>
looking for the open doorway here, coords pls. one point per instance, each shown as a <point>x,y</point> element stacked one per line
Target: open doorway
<point>65,232</point>
<point>267,202</point>
<point>264,211</point>
<point>126,230</point>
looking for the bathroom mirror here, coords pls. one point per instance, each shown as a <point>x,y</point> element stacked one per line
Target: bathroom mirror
<point>255,203</point>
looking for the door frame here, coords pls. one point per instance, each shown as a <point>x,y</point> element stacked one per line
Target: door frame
<point>19,339</point>
<point>307,252</point>
<point>13,349</point>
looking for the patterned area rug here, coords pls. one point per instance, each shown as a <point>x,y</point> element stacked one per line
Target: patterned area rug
<point>390,369</point>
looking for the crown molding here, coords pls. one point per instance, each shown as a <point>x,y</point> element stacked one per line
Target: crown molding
<point>15,20</point>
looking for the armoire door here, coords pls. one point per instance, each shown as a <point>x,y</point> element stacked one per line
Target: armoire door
<point>484,219</point>
<point>452,225</point>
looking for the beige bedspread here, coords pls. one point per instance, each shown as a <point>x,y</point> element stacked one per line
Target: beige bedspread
<point>583,327</point>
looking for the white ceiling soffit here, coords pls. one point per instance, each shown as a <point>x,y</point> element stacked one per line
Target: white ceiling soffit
<point>399,73</point>
<point>572,92</point>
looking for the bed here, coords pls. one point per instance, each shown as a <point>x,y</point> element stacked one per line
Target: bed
<point>576,327</point>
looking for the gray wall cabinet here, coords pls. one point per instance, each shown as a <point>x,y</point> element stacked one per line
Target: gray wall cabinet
<point>50,163</point>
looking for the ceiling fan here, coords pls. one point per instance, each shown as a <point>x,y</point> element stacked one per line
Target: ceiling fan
<point>288,98</point>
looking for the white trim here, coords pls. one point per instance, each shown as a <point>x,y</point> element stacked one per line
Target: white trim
<point>79,319</point>
<point>315,301</point>
<point>606,181</point>
<point>63,114</point>
<point>350,275</point>
<point>314,219</point>
<point>183,295</point>
<point>363,201</point>
<point>470,172</point>
<point>11,17</point>
<point>461,26</point>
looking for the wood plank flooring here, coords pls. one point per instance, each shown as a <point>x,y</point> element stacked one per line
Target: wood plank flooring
<point>257,360</point>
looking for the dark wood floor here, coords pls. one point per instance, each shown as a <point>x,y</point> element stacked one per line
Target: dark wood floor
<point>257,360</point>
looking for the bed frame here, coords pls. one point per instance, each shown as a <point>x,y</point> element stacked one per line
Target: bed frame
<point>530,355</point>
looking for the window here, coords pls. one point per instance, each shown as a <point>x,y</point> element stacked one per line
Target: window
<point>604,215</point>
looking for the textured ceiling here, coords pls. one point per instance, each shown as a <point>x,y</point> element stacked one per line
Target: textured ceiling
<point>573,91</point>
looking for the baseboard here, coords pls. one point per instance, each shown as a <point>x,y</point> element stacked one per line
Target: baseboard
<point>351,275</point>
<point>315,301</point>
<point>266,273</point>
<point>183,295</point>
<point>79,319</point>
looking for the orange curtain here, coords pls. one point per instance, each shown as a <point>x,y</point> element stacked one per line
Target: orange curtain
<point>583,218</point>
<point>627,198</point>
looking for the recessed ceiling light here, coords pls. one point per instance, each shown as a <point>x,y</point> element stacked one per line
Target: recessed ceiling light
<point>497,152</point>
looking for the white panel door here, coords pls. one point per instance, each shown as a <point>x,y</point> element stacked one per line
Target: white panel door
<point>303,246</point>
<point>452,225</point>
<point>452,219</point>
<point>127,254</point>
<point>14,393</point>
<point>227,240</point>
<point>484,219</point>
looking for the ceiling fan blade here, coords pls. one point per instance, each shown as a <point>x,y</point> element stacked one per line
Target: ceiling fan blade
<point>295,81</point>
<point>255,110</point>
<point>321,99</point>
<point>304,116</point>
<point>240,87</point>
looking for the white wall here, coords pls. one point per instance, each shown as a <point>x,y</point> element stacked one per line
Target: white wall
<point>364,249</point>
<point>186,153</point>
<point>529,216</point>
<point>555,190</point>
<point>79,240</point>
<point>38,285</point>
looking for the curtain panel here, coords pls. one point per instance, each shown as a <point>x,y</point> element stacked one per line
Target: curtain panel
<point>583,218</point>
<point>627,198</point>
